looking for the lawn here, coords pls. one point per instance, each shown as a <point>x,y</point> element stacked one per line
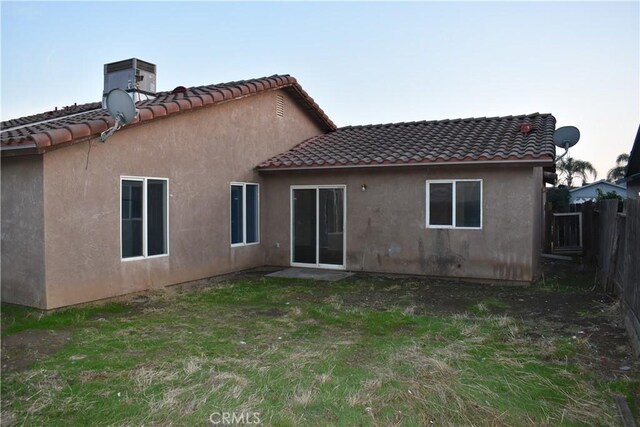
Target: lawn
<point>368,350</point>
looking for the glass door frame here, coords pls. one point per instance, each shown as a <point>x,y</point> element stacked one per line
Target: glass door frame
<point>344,231</point>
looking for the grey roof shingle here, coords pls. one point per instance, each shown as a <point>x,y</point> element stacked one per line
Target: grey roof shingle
<point>459,140</point>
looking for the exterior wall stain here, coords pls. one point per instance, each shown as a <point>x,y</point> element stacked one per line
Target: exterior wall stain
<point>386,230</point>
<point>445,262</point>
<point>366,248</point>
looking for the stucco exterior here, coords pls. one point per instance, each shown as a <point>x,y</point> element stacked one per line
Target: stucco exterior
<point>386,224</point>
<point>200,152</point>
<point>62,213</point>
<point>23,232</point>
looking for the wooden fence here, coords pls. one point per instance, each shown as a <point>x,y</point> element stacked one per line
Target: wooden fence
<point>614,244</point>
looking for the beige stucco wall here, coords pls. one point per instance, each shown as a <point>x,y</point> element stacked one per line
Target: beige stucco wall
<point>200,153</point>
<point>22,266</point>
<point>386,223</point>
<point>537,220</point>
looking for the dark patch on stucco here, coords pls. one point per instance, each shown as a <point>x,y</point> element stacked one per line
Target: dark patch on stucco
<point>511,269</point>
<point>443,261</point>
<point>424,265</point>
<point>365,247</point>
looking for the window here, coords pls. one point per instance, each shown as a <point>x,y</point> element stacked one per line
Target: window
<point>144,214</point>
<point>454,204</point>
<point>245,214</point>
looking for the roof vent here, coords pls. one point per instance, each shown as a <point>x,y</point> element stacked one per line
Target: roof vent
<point>132,75</point>
<point>179,89</point>
<point>279,105</point>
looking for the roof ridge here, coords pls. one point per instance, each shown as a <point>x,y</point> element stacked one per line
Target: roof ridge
<point>467,119</point>
<point>223,84</point>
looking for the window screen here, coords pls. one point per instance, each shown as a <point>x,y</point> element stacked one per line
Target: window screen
<point>156,217</point>
<point>468,204</point>
<point>440,203</point>
<point>131,218</point>
<point>236,214</point>
<point>252,213</point>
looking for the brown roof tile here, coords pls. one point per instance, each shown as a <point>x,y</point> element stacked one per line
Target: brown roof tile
<point>57,128</point>
<point>459,140</point>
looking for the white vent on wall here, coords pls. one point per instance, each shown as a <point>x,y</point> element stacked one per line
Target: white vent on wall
<point>279,106</point>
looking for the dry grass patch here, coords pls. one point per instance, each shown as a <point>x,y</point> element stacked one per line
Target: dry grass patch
<point>303,395</point>
<point>284,350</point>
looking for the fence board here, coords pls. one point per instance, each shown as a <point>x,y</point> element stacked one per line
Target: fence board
<point>618,275</point>
<point>608,211</point>
<point>631,271</point>
<point>589,238</point>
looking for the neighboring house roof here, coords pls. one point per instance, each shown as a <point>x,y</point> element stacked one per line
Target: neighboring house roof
<point>633,165</point>
<point>41,132</point>
<point>495,139</point>
<point>590,191</point>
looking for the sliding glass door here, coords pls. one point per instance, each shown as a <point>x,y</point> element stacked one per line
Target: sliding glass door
<point>318,226</point>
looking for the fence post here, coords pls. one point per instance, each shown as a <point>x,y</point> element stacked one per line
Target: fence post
<point>588,231</point>
<point>607,230</point>
<point>548,223</point>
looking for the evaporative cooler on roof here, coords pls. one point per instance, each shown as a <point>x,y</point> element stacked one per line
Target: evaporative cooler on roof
<point>132,75</point>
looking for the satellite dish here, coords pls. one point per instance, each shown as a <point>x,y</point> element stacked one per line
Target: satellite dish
<point>122,108</point>
<point>566,137</point>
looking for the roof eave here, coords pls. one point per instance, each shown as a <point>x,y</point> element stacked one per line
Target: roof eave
<point>19,150</point>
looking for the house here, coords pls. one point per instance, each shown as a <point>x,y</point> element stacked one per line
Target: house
<point>589,192</point>
<point>216,179</point>
<point>632,176</point>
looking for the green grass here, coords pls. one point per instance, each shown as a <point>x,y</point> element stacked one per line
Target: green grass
<point>297,354</point>
<point>568,281</point>
<point>488,305</point>
<point>17,318</point>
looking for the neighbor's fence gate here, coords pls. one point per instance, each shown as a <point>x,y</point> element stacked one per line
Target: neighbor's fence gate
<point>566,232</point>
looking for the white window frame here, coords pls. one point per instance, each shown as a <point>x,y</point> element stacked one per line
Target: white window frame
<point>244,214</point>
<point>144,180</point>
<point>453,201</point>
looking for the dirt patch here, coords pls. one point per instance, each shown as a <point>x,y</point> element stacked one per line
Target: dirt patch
<point>23,349</point>
<point>272,312</point>
<point>580,313</point>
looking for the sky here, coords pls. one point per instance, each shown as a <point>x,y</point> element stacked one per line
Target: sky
<point>362,62</point>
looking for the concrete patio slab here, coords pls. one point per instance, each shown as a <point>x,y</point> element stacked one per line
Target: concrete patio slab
<point>311,273</point>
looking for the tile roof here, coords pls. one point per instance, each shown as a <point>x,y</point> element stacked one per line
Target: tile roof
<point>61,127</point>
<point>426,142</point>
